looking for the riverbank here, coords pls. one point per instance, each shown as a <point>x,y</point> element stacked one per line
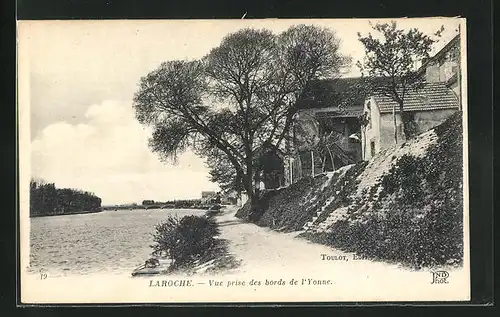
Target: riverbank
<point>189,245</point>
<point>68,213</point>
<point>269,262</point>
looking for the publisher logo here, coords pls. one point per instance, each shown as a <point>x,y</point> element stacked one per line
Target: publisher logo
<point>440,277</point>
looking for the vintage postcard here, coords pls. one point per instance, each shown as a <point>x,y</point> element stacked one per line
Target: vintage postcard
<point>238,161</point>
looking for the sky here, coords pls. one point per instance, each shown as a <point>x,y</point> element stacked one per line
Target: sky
<point>82,78</point>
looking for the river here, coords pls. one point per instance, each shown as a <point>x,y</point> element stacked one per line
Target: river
<point>111,242</point>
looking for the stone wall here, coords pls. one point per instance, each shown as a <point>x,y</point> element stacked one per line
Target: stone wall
<point>387,139</point>
<point>372,133</point>
<point>381,129</point>
<point>427,120</point>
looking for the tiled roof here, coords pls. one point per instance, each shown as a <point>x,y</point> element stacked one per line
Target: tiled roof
<point>333,92</point>
<point>432,96</point>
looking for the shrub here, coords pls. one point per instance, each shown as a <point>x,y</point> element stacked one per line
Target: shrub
<point>185,240</point>
<point>417,218</point>
<point>407,236</point>
<point>284,209</point>
<point>289,209</point>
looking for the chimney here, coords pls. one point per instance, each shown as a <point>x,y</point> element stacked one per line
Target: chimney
<point>432,74</point>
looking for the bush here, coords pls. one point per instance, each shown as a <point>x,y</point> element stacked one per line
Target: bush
<point>417,218</point>
<point>283,208</point>
<point>408,236</point>
<point>185,240</point>
<point>289,209</point>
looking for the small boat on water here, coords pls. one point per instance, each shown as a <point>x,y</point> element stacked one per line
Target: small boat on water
<point>153,266</point>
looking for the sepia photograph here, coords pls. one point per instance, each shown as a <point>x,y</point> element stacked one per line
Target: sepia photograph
<point>237,161</point>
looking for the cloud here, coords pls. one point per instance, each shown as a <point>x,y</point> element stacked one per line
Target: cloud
<point>109,156</point>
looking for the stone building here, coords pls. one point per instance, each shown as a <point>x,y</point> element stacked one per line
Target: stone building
<point>207,194</point>
<point>444,67</point>
<point>326,134</point>
<point>338,107</point>
<point>426,107</point>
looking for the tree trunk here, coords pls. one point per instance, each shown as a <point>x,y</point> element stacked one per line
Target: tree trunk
<point>333,162</point>
<point>299,167</point>
<point>249,188</point>
<point>408,129</point>
<point>256,209</point>
<point>312,163</point>
<point>252,189</point>
<point>257,181</point>
<point>395,124</point>
<point>323,163</point>
<point>253,200</point>
<point>331,158</point>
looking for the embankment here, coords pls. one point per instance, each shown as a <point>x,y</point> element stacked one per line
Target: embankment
<point>405,205</point>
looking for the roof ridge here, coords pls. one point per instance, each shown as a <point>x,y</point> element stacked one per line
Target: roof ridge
<point>439,96</point>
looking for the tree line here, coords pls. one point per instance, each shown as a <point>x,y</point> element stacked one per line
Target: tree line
<point>47,200</point>
<point>181,203</point>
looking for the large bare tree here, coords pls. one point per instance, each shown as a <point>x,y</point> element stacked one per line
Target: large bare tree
<point>242,95</point>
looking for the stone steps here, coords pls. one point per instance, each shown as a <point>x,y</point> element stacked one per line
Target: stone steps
<point>309,224</point>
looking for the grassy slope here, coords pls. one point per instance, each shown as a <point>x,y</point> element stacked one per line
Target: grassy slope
<point>284,208</point>
<point>405,205</point>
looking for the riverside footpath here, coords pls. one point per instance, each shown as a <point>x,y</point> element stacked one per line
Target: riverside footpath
<point>261,249</point>
<point>322,273</point>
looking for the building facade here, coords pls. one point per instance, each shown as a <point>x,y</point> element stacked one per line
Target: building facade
<point>326,133</point>
<point>426,107</point>
<point>444,67</point>
<point>341,108</point>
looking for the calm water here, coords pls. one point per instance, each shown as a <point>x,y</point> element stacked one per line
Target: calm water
<point>105,242</point>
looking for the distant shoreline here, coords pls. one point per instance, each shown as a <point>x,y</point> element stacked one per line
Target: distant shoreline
<point>68,213</point>
<point>118,209</point>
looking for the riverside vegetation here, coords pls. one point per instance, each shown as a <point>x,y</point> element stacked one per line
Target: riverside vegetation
<point>47,200</point>
<point>404,206</point>
<point>192,245</point>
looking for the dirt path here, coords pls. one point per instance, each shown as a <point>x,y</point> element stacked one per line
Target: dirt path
<point>261,249</point>
<point>321,272</point>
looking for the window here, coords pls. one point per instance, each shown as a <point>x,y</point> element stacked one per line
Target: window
<point>372,148</point>
<point>453,55</point>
